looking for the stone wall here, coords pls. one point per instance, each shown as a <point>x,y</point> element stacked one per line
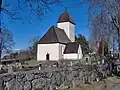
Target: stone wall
<point>48,79</point>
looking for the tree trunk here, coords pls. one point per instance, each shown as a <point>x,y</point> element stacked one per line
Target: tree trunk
<point>0,30</point>
<point>0,52</point>
<point>118,32</point>
<point>119,39</point>
<point>0,5</point>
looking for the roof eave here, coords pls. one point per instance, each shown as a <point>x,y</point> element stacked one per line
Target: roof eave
<point>66,21</point>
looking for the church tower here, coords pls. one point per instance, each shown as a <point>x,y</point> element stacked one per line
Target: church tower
<point>66,23</point>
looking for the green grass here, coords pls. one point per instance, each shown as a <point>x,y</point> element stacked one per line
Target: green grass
<point>96,86</point>
<point>32,63</point>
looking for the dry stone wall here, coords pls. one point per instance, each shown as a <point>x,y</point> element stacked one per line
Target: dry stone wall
<point>47,79</point>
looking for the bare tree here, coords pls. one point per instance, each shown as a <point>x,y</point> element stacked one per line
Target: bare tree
<point>14,9</point>
<point>6,41</point>
<point>110,9</point>
<point>106,17</point>
<point>102,28</point>
<point>33,48</point>
<point>24,10</point>
<point>29,7</point>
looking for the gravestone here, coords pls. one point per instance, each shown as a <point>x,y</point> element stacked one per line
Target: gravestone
<point>10,69</point>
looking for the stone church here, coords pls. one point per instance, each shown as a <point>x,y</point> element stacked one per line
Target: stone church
<point>59,41</point>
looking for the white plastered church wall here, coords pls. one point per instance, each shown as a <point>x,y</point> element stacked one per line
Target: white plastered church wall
<point>69,29</point>
<point>71,56</point>
<point>61,50</point>
<point>51,49</point>
<point>74,56</point>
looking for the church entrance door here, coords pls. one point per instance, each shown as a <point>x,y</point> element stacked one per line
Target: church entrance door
<point>47,56</point>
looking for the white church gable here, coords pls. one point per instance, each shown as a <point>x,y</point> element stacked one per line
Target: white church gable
<point>48,52</point>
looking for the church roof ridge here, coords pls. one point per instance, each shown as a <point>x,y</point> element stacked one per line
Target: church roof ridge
<point>55,33</point>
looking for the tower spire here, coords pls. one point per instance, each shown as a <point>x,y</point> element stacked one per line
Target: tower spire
<point>65,21</point>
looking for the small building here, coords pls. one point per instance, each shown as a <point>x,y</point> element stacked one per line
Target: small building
<point>73,51</point>
<point>59,41</point>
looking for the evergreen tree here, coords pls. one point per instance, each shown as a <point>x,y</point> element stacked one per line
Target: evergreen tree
<point>83,42</point>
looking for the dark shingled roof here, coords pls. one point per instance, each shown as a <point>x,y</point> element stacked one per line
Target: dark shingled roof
<point>65,17</point>
<point>71,48</point>
<point>55,35</point>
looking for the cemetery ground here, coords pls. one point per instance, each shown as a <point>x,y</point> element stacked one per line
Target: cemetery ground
<point>82,71</point>
<point>106,84</point>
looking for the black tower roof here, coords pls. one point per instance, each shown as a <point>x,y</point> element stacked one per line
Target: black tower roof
<point>65,17</point>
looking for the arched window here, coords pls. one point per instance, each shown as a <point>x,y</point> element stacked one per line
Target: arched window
<point>47,56</point>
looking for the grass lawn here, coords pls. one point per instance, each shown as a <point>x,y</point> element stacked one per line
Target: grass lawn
<point>96,86</point>
<point>106,84</point>
<point>32,63</point>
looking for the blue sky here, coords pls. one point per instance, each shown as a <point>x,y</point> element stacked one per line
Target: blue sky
<point>24,32</point>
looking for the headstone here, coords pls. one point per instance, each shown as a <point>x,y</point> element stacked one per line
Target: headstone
<point>7,86</point>
<point>51,87</point>
<point>97,79</point>
<point>39,68</point>
<point>103,61</point>
<point>83,80</point>
<point>73,83</point>
<point>71,63</point>
<point>98,62</point>
<point>0,66</point>
<point>89,79</point>
<point>10,69</point>
<point>86,63</point>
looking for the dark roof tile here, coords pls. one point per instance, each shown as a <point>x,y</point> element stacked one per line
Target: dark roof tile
<point>65,17</point>
<point>71,48</point>
<point>54,35</point>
